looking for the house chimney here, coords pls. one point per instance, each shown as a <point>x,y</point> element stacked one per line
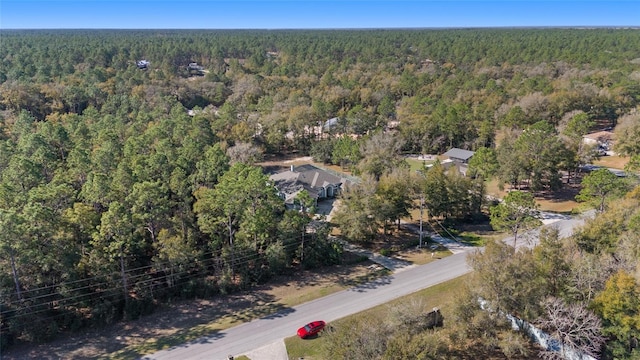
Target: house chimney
<point>292,168</point>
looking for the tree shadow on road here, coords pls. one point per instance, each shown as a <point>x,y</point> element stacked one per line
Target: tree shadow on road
<point>377,275</point>
<point>385,280</point>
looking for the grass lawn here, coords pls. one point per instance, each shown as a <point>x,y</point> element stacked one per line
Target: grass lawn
<point>424,255</point>
<point>477,234</point>
<point>471,234</point>
<point>403,244</point>
<point>415,164</point>
<point>440,296</point>
<point>473,239</point>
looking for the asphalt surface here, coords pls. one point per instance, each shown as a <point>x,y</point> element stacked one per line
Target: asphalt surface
<point>262,338</point>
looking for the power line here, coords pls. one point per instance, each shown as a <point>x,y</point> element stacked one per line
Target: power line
<point>447,231</point>
<point>217,253</point>
<point>181,281</point>
<point>78,299</point>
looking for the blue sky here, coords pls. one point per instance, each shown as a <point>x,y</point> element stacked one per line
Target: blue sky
<point>312,14</point>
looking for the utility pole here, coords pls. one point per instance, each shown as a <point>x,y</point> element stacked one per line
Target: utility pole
<point>421,207</point>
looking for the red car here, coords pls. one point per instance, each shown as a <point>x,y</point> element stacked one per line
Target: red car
<point>311,329</point>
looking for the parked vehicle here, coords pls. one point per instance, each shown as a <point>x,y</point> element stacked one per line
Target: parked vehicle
<point>311,329</point>
<point>589,168</point>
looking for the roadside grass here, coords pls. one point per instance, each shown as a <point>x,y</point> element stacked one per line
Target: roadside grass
<point>615,161</point>
<point>335,287</point>
<point>471,239</point>
<point>441,296</point>
<point>476,234</point>
<point>308,349</point>
<point>404,244</point>
<point>425,255</point>
<point>473,234</point>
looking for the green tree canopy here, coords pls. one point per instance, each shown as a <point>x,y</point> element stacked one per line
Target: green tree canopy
<point>484,163</point>
<point>619,305</point>
<point>515,213</point>
<point>598,186</point>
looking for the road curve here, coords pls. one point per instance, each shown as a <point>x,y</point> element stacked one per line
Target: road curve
<point>255,334</point>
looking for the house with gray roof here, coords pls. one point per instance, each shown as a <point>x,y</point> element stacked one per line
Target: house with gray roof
<point>319,183</point>
<point>331,124</point>
<point>458,158</point>
<point>459,155</point>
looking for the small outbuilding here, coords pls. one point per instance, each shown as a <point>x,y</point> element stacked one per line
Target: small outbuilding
<point>195,69</point>
<point>458,159</point>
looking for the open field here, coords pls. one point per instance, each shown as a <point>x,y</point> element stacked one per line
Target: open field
<point>402,244</point>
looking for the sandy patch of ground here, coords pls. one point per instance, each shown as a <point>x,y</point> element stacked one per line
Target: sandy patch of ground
<point>304,159</point>
<point>615,162</point>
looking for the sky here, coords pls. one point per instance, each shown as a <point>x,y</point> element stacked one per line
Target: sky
<point>314,14</point>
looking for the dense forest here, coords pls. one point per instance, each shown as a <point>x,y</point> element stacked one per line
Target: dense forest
<point>122,186</point>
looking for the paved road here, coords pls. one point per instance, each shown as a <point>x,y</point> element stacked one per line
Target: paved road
<point>565,224</point>
<point>259,333</point>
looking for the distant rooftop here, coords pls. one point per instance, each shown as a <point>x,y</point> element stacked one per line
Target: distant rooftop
<point>142,64</point>
<point>601,136</point>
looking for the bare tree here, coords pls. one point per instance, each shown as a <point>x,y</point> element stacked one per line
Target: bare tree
<point>574,326</point>
<point>628,133</point>
<point>589,273</point>
<point>535,105</point>
<point>382,154</point>
<point>244,153</point>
